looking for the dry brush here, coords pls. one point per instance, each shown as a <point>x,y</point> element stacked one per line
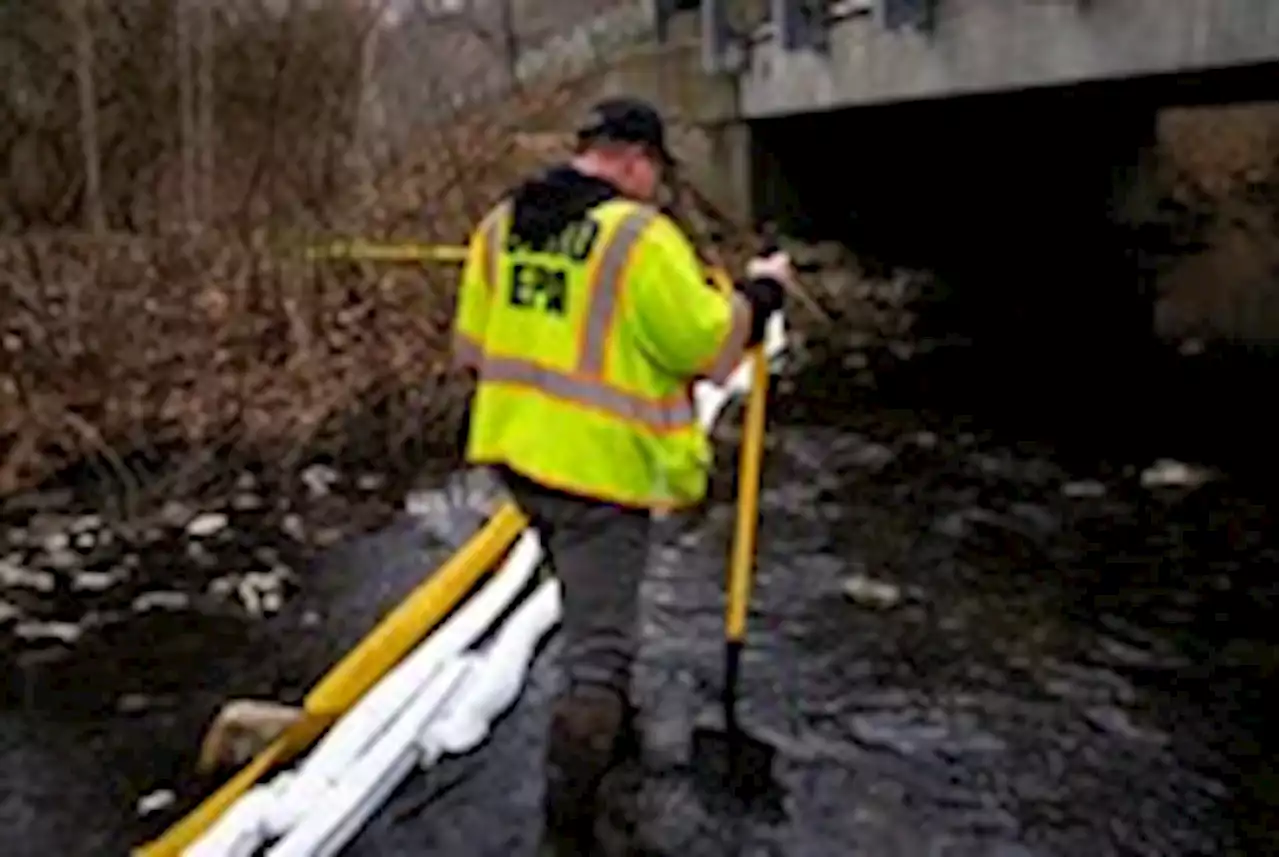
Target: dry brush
<point>162,164</point>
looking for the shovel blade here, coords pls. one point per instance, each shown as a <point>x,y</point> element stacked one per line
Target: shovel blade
<point>733,760</point>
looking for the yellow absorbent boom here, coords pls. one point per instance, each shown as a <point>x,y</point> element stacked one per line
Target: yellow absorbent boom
<point>402,629</point>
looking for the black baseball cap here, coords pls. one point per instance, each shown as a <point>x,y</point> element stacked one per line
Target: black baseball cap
<point>627,120</point>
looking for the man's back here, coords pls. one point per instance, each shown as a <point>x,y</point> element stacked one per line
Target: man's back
<point>587,317</point>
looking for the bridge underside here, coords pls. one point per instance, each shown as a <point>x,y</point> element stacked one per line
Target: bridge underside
<point>923,162</point>
<point>860,54</point>
<point>1043,216</point>
<point>1059,266</point>
<point>1010,197</point>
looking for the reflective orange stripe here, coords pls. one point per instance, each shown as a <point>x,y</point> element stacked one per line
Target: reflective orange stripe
<point>660,415</point>
<point>491,249</point>
<point>467,351</point>
<point>606,287</point>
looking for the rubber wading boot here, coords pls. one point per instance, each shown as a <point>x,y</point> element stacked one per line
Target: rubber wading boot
<point>592,730</point>
<point>618,829</point>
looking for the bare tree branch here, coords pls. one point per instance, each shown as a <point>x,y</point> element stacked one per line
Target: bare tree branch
<point>94,214</point>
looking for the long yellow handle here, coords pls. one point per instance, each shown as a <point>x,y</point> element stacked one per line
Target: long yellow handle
<point>744,537</point>
<point>360,250</point>
<point>352,677</point>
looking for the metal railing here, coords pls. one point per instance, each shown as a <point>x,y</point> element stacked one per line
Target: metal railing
<point>730,27</point>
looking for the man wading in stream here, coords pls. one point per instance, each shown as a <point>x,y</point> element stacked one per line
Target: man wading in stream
<point>585,316</point>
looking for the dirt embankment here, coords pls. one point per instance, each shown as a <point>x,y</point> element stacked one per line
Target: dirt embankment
<point>158,311</point>
<point>1218,169</point>
<point>180,386</point>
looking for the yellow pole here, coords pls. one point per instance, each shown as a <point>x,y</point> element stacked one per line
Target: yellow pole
<point>356,673</point>
<point>366,251</point>
<point>738,596</point>
<point>744,539</point>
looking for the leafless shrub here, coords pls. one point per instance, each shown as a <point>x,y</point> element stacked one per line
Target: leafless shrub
<point>162,164</point>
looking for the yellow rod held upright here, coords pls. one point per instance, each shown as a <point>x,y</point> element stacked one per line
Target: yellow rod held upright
<point>368,251</point>
<point>744,537</point>
<point>356,673</point>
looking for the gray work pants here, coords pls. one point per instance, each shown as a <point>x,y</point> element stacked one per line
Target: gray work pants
<point>598,551</point>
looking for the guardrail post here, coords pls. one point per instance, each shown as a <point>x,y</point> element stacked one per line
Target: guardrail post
<point>819,14</point>
<point>716,35</point>
<point>789,24</point>
<point>799,24</point>
<point>900,14</point>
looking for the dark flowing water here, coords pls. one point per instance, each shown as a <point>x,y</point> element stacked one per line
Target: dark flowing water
<point>959,646</point>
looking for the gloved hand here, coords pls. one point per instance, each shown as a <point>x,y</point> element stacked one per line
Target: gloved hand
<point>775,266</point>
<point>764,289</point>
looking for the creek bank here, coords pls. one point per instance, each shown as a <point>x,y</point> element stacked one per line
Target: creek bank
<point>79,580</point>
<point>66,569</point>
<point>252,587</point>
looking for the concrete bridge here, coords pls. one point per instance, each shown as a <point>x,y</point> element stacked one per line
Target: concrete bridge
<point>813,56</point>
<point>734,67</point>
<point>1010,146</point>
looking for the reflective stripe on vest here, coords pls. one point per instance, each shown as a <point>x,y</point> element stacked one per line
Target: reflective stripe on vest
<point>606,287</point>
<point>468,352</point>
<point>657,415</point>
<point>492,246</point>
<point>583,385</point>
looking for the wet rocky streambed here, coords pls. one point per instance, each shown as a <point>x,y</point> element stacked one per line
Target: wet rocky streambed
<point>960,644</point>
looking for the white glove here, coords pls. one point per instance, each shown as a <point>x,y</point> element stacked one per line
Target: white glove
<point>776,266</point>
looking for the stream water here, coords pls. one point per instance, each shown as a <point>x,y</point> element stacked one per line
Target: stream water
<point>960,644</point>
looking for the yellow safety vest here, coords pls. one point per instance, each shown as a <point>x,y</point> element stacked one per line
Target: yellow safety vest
<point>585,353</point>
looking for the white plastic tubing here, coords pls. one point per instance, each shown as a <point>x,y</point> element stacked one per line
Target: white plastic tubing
<point>439,700</point>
